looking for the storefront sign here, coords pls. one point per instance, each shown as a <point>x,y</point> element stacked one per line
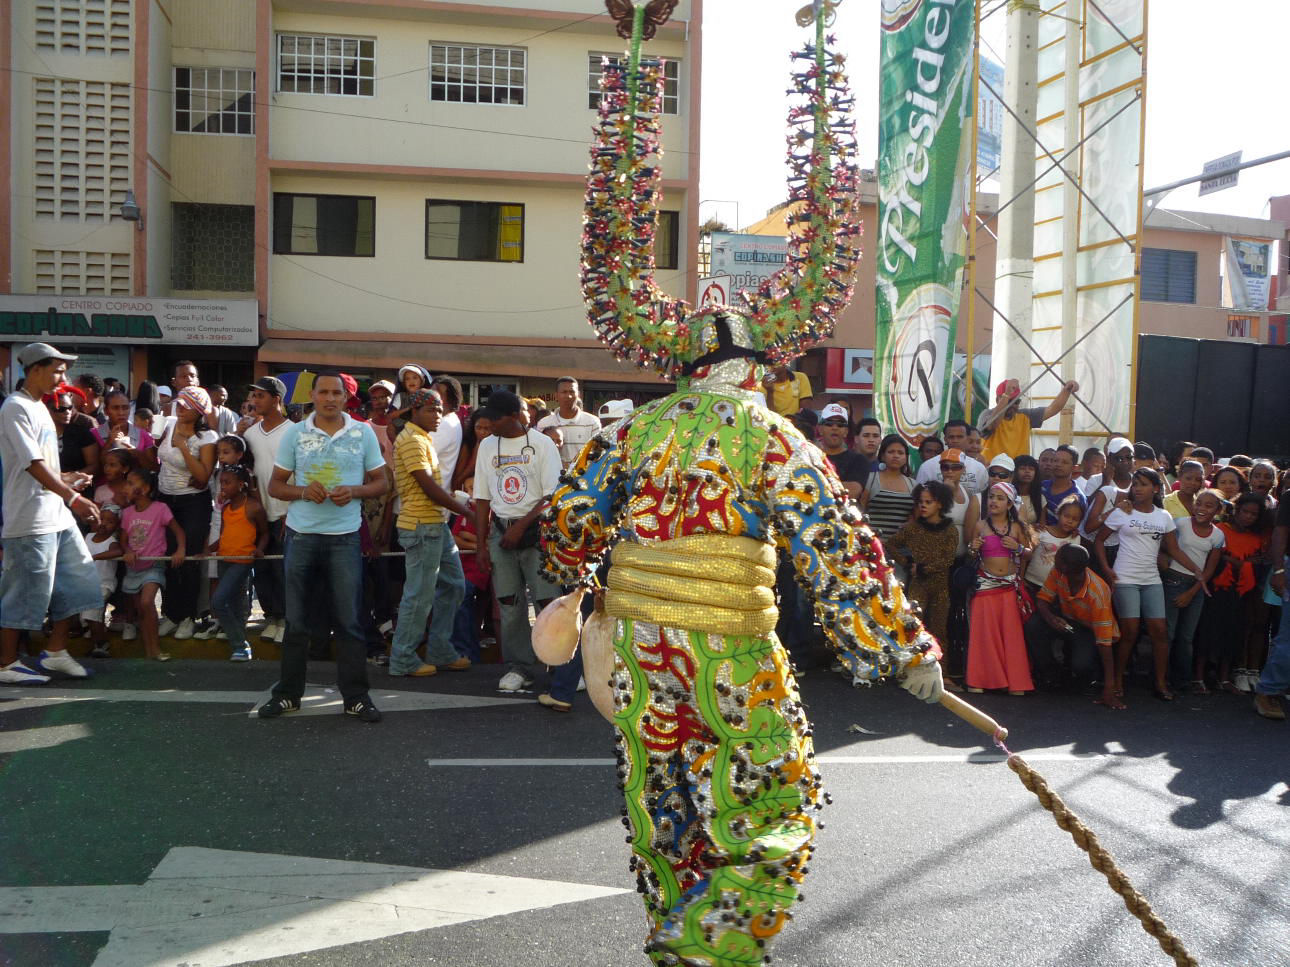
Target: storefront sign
<point>130,321</point>
<point>749,260</point>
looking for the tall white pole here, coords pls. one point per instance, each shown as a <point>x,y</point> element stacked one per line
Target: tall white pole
<point>1014,261</point>
<point>1070,211</point>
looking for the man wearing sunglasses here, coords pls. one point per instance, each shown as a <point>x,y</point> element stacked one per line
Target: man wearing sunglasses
<point>852,468</point>
<point>974,476</point>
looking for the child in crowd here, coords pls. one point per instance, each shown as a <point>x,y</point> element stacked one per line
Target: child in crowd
<point>1190,482</point>
<point>1230,482</point>
<point>997,656</point>
<point>144,419</point>
<point>243,536</point>
<point>1144,528</point>
<point>117,463</point>
<point>106,551</point>
<point>1050,538</point>
<point>926,547</point>
<point>230,450</point>
<point>1185,592</point>
<point>1224,623</point>
<point>1025,480</point>
<point>144,525</point>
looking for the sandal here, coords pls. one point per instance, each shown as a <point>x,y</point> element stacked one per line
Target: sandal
<point>976,691</point>
<point>1163,695</point>
<point>1198,688</point>
<point>1229,687</point>
<point>162,656</point>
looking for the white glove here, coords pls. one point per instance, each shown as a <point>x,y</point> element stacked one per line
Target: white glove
<point>924,681</point>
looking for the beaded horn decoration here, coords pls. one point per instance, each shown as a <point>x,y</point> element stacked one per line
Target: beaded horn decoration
<point>792,310</point>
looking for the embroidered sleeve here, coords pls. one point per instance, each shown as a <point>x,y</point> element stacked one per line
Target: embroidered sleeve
<point>577,527</point>
<point>840,563</point>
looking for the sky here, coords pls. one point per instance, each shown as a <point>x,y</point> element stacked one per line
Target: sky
<point>1216,83</point>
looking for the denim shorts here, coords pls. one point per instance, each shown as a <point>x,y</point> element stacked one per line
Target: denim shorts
<point>1139,600</point>
<point>47,574</point>
<point>134,581</point>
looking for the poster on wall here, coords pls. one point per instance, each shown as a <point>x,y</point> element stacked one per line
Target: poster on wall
<point>1245,274</point>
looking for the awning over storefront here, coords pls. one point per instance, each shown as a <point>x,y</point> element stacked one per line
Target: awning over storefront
<point>551,359</point>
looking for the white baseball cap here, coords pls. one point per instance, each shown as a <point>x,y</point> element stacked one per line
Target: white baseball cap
<point>1005,461</point>
<point>835,411</point>
<point>616,409</point>
<point>1117,444</point>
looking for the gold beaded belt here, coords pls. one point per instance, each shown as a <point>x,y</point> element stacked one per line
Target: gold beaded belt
<point>706,582</point>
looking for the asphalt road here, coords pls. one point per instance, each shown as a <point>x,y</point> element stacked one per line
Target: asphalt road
<point>153,815</point>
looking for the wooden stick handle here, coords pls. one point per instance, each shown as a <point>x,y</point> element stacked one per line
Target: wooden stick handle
<point>973,716</point>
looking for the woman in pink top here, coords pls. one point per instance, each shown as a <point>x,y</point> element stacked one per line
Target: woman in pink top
<point>996,640</point>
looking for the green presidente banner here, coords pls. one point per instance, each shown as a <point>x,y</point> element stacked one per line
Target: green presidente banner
<point>924,148</point>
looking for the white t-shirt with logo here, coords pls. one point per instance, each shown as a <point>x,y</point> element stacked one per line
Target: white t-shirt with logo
<point>576,432</point>
<point>1195,546</point>
<point>514,474</point>
<point>1140,537</point>
<point>27,434</point>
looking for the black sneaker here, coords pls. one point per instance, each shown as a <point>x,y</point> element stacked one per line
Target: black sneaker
<point>364,710</point>
<point>276,706</point>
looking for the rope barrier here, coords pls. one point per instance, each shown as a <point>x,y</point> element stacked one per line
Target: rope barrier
<point>1098,856</point>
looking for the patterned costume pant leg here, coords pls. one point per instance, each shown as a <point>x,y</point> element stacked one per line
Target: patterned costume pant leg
<point>715,763</point>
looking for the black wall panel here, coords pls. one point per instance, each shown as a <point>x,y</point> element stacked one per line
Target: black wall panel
<point>1221,413</point>
<point>1270,403</point>
<point>1166,394</point>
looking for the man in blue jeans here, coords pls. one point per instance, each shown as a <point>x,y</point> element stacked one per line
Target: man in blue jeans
<point>435,583</point>
<point>337,462</point>
<point>1275,680</point>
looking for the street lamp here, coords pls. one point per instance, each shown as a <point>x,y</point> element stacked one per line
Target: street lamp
<point>724,201</point>
<point>131,211</point>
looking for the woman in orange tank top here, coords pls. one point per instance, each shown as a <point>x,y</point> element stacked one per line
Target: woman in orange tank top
<point>244,534</point>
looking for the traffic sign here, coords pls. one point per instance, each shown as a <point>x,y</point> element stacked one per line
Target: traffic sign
<point>1225,173</point>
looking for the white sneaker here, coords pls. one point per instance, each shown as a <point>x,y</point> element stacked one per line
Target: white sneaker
<point>185,630</point>
<point>165,626</point>
<point>20,674</point>
<point>129,632</point>
<point>60,662</point>
<point>241,654</point>
<point>207,630</point>
<point>512,681</point>
<point>1244,680</point>
<point>279,631</point>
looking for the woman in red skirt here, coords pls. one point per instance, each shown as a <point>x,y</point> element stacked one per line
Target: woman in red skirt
<point>996,640</point>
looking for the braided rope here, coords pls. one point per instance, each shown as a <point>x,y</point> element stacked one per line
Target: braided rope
<point>1100,858</point>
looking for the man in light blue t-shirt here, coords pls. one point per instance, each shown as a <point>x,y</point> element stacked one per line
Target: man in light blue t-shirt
<point>337,462</point>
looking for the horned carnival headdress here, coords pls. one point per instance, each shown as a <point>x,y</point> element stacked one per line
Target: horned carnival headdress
<point>792,310</point>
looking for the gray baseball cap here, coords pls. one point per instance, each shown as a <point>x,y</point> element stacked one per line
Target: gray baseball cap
<point>31,354</point>
<point>271,385</point>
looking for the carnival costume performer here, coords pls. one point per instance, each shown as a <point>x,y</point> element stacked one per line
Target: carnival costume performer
<point>693,493</point>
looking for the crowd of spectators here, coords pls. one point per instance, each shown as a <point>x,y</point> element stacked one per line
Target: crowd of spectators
<point>416,516</point>
<point>1075,569</point>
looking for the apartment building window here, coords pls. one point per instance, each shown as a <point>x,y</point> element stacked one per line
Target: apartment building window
<point>671,81</point>
<point>667,241</point>
<point>474,231</point>
<point>212,248</point>
<point>324,225</point>
<point>309,64</point>
<point>478,75</point>
<point>1168,275</point>
<point>214,100</point>
<point>83,26</point>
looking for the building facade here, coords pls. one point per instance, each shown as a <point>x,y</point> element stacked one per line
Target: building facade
<point>319,183</point>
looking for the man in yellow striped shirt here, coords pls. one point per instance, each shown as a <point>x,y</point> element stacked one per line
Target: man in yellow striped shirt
<point>435,583</point>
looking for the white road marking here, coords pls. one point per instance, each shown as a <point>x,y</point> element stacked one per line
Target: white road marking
<point>845,760</point>
<point>318,699</point>
<point>218,907</point>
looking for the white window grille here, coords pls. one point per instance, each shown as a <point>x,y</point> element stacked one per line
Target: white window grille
<point>83,26</point>
<point>82,148</point>
<point>467,74</point>
<point>83,273</point>
<point>309,64</point>
<point>214,100</point>
<point>671,81</point>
